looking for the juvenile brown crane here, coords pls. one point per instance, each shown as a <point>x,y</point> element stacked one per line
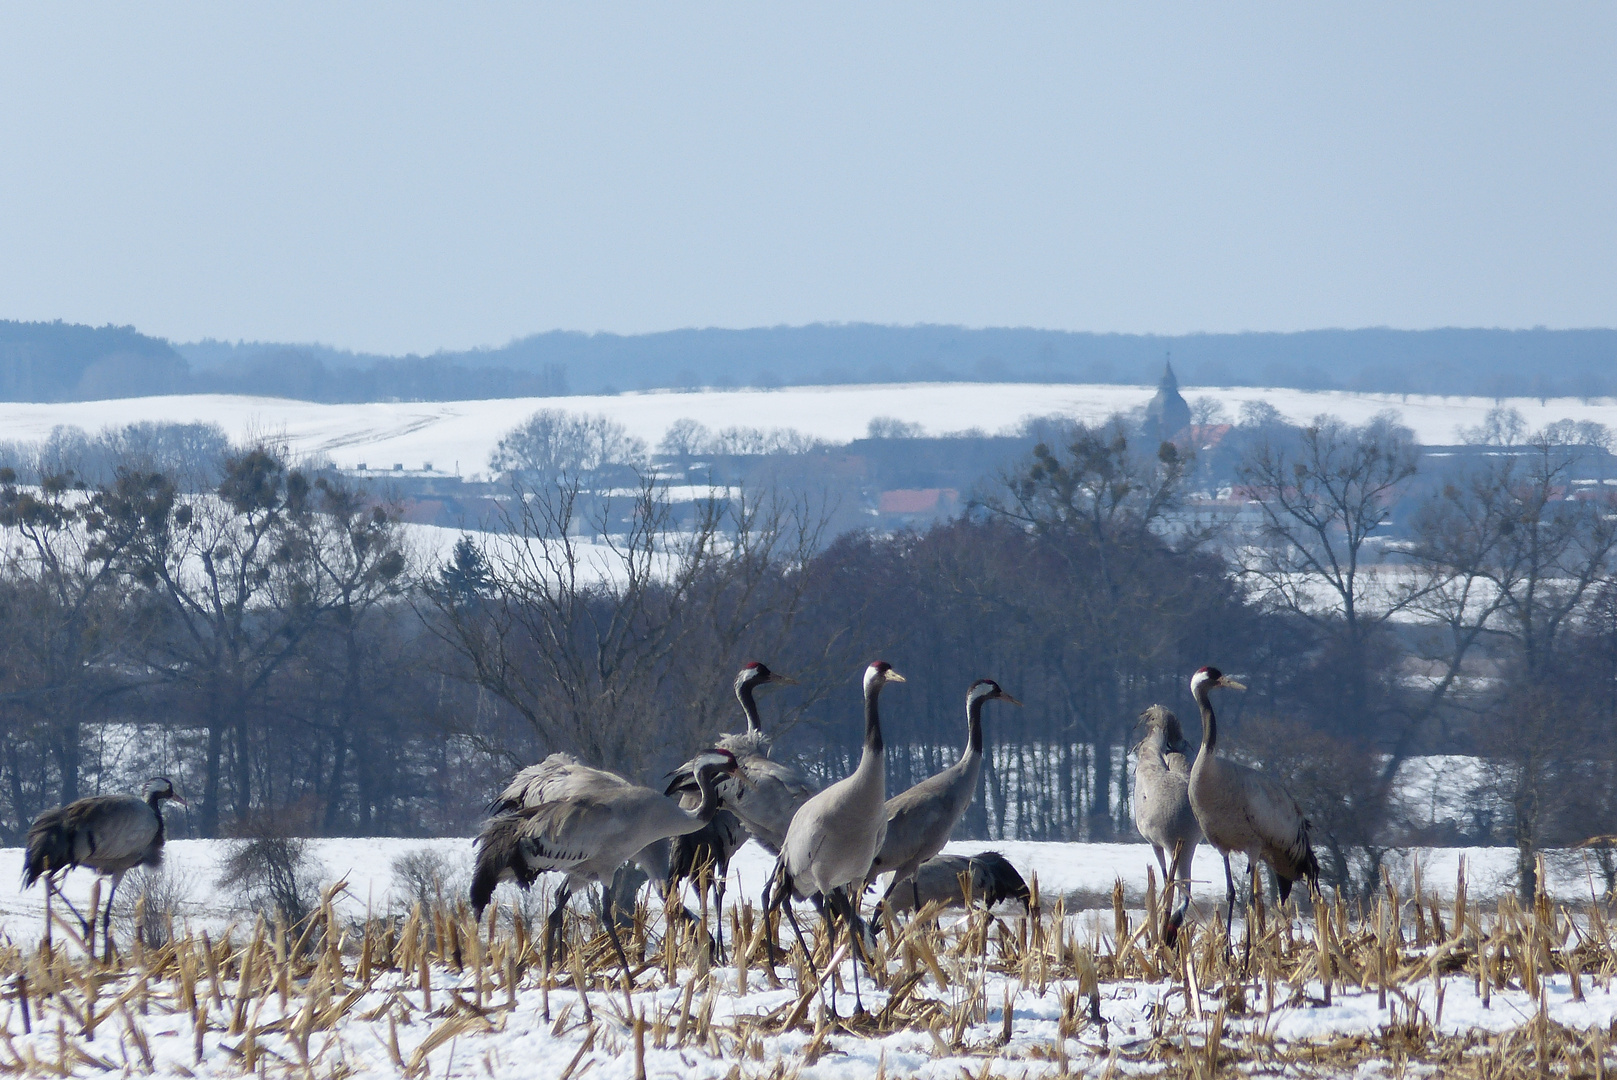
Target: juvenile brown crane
<point>1162,810</point>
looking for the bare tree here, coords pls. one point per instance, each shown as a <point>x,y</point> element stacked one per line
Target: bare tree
<point>1095,504</point>
<point>553,444</point>
<point>215,569</point>
<point>64,597</point>
<point>350,556</point>
<point>1519,556</point>
<point>593,643</point>
<point>1322,498</point>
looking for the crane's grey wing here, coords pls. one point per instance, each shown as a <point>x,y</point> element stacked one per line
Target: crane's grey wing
<point>1162,810</point>
<point>559,777</point>
<point>606,828</point>
<point>113,831</point>
<point>1274,815</point>
<point>564,835</point>
<point>920,819</point>
<point>937,879</point>
<point>766,804</point>
<point>745,744</point>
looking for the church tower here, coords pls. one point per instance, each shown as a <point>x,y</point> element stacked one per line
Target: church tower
<point>1167,414</point>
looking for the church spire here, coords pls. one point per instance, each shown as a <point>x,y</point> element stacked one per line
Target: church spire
<point>1167,414</point>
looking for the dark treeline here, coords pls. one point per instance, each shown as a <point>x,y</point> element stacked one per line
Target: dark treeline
<point>271,636</point>
<point>66,362</point>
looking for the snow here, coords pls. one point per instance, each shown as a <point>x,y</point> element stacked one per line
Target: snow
<point>459,435</point>
<point>1082,873</point>
<point>508,1038</point>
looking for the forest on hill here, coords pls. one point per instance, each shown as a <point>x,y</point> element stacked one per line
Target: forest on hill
<point>66,362</point>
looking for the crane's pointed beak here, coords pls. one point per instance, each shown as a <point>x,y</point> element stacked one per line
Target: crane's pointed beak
<point>181,800</point>
<point>1003,696</point>
<point>893,676</point>
<point>1230,684</point>
<point>784,680</point>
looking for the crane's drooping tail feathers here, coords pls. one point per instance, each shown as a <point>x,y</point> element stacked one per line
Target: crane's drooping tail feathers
<point>1304,864</point>
<point>498,858</point>
<point>50,846</point>
<point>1004,883</point>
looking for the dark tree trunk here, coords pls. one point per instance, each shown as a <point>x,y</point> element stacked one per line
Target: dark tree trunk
<point>68,754</point>
<point>339,755</point>
<point>208,816</point>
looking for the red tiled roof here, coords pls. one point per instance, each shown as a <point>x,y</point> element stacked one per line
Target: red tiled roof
<point>920,501</point>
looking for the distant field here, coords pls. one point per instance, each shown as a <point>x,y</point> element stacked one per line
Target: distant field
<point>459,435</point>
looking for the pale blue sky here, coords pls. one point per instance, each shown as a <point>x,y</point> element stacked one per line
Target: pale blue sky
<point>396,177</point>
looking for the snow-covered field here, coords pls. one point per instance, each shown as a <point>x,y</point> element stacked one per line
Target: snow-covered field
<point>705,1025</point>
<point>459,435</point>
<point>1082,873</point>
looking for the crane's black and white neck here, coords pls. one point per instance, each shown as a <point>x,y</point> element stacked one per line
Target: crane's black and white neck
<point>749,679</point>
<point>877,675</point>
<point>979,693</point>
<point>1204,680</point>
<point>709,765</point>
<point>159,789</point>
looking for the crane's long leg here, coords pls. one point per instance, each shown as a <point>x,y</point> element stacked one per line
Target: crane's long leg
<point>95,911</point>
<point>1229,913</point>
<point>777,891</point>
<point>808,953</point>
<point>883,910</point>
<point>553,927</point>
<point>1182,857</point>
<point>845,910</point>
<point>84,924</point>
<point>617,947</point>
<point>831,942</point>
<point>106,922</point>
<point>1251,906</point>
<point>1162,861</point>
<point>718,912</point>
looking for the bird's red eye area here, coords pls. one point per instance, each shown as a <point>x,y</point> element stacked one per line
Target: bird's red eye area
<point>880,665</point>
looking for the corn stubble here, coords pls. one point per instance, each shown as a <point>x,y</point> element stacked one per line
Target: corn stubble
<point>279,1000</point>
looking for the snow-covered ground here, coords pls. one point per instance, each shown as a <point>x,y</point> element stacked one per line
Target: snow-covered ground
<point>459,435</point>
<point>1147,1021</point>
<point>1082,873</point>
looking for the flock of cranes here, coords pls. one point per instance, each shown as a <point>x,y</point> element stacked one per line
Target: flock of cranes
<point>562,816</point>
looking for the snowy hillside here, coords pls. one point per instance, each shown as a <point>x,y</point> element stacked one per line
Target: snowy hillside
<point>459,435</point>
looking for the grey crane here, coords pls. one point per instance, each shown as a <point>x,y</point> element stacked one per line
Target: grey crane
<point>1242,809</point>
<point>766,792</point>
<point>920,819</point>
<point>834,836</point>
<point>559,776</point>
<point>993,879</point>
<point>110,834</point>
<point>596,823</point>
<point>774,791</point>
<point>1162,810</point>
